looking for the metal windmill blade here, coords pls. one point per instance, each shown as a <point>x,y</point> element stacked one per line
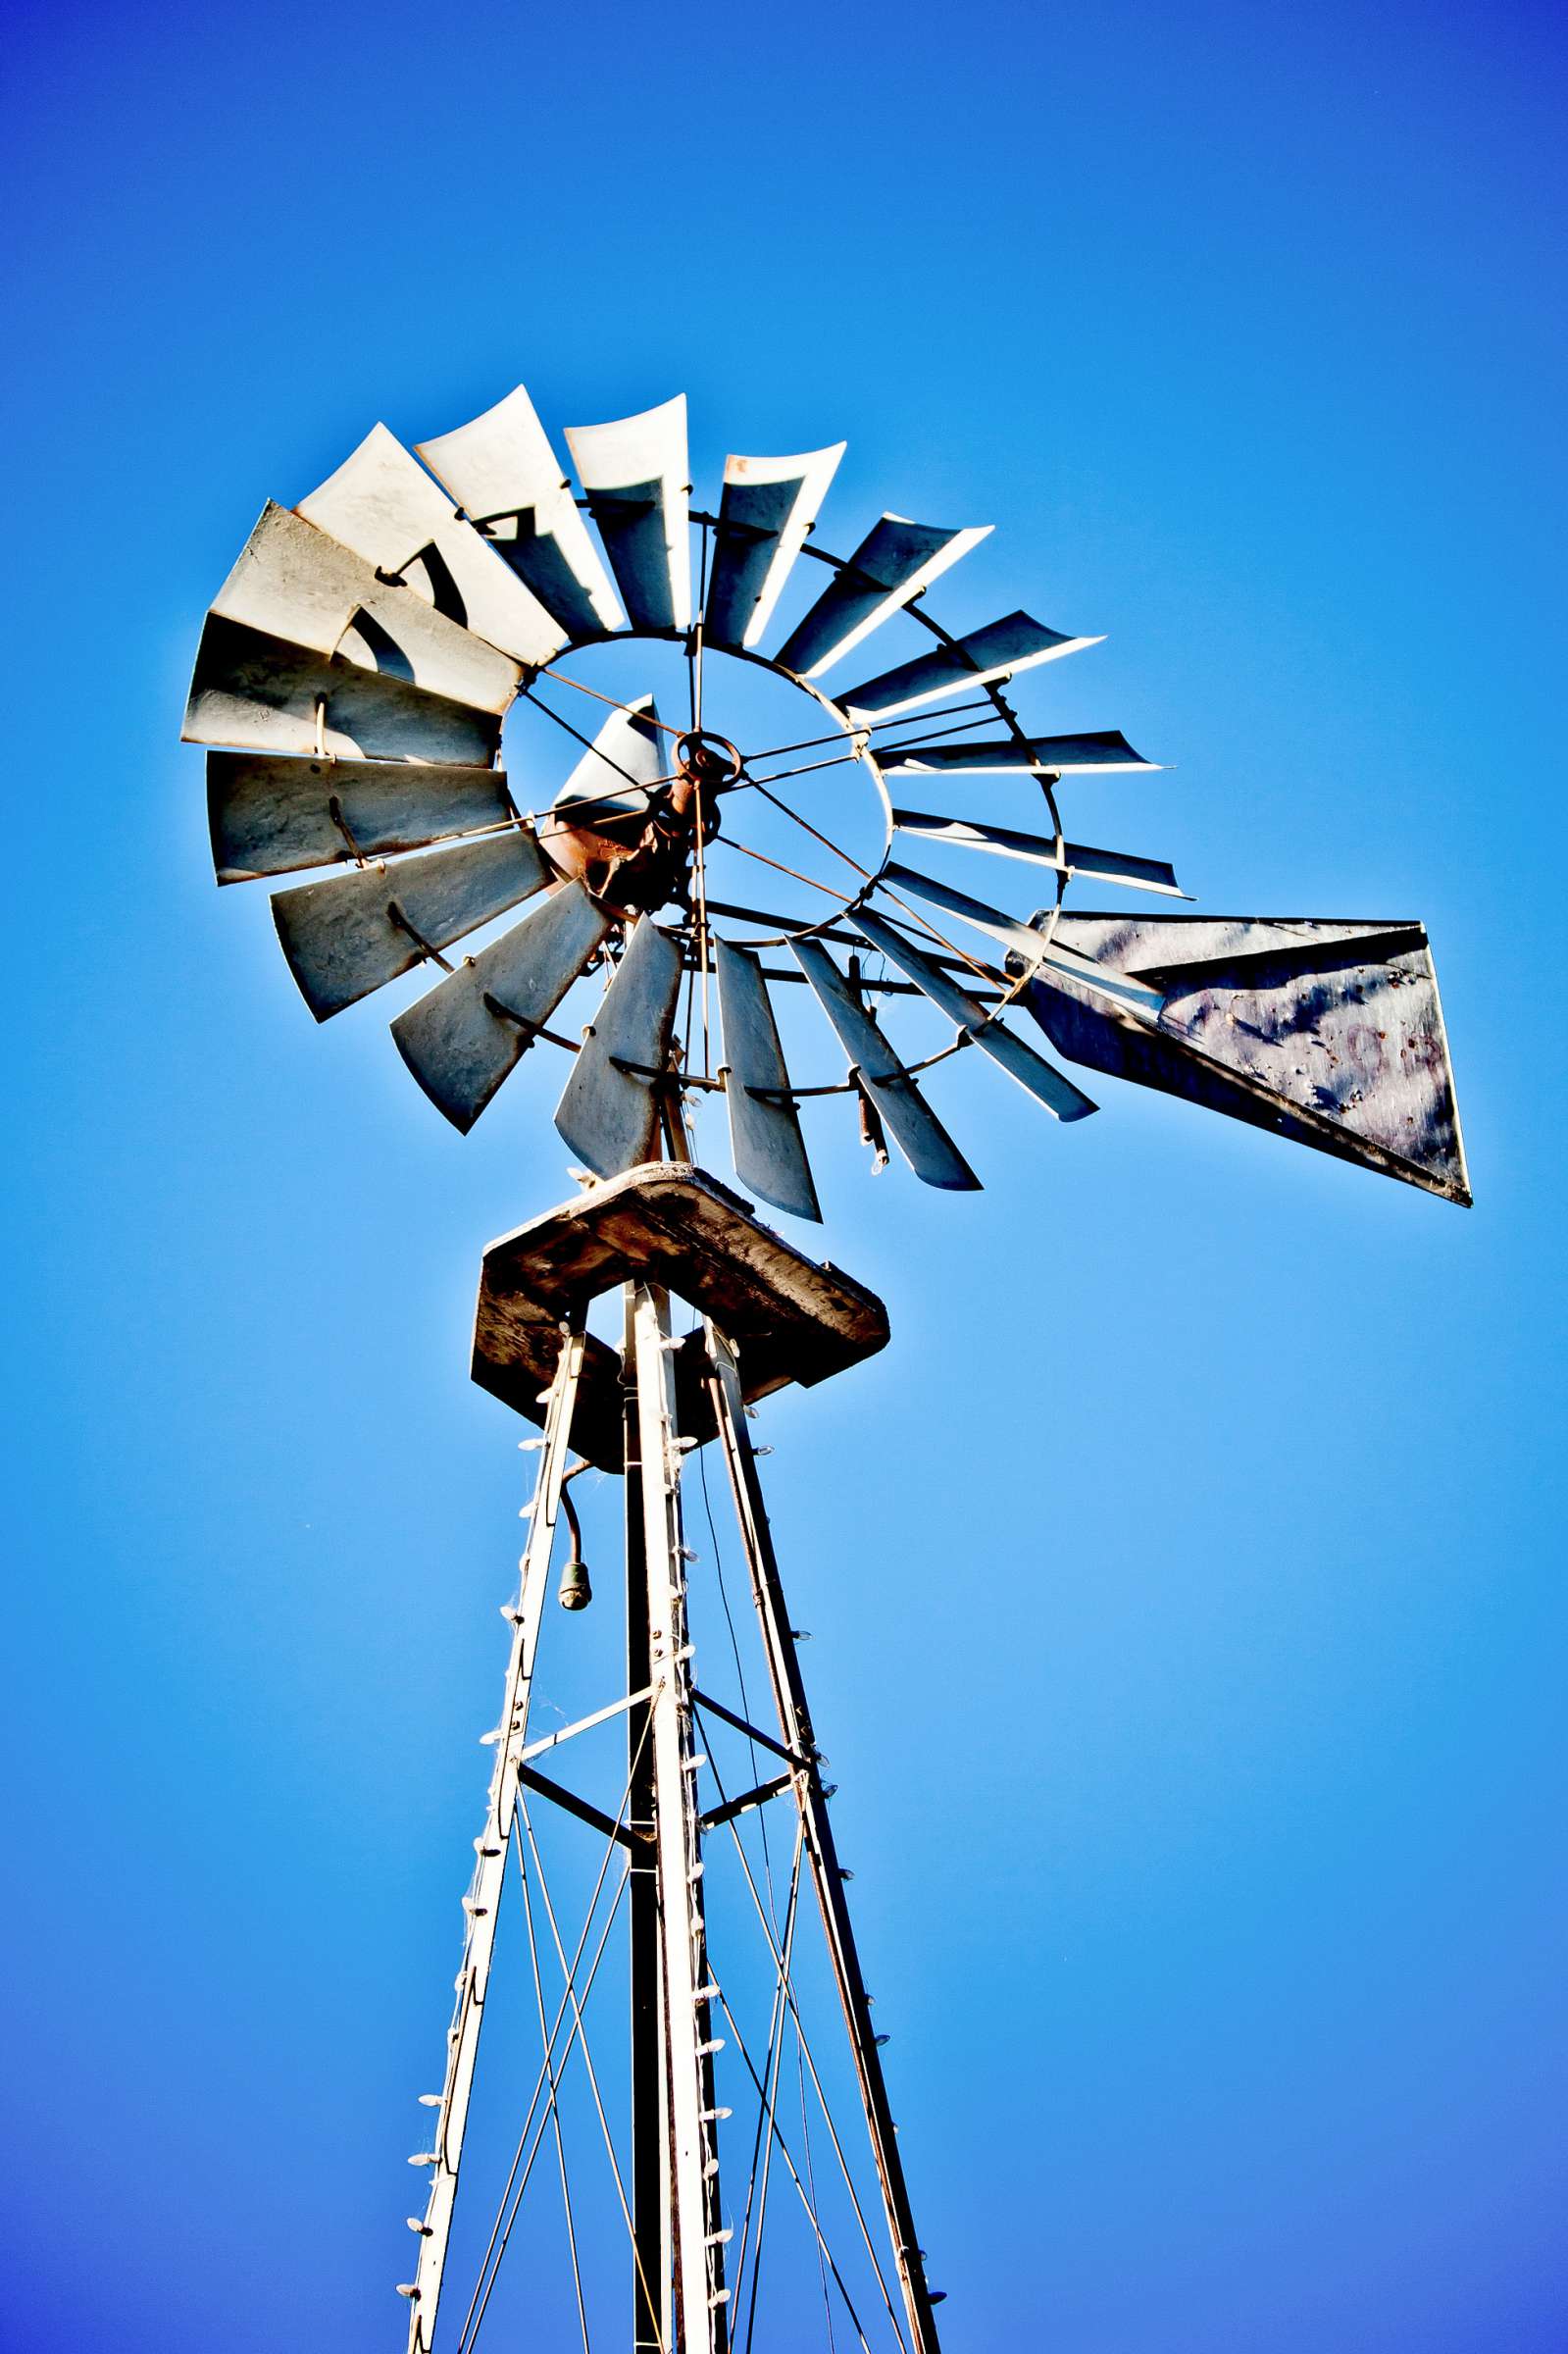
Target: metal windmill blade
<point>983,1029</point>
<point>1035,850</point>
<point>474,1028</point>
<point>1000,650</point>
<point>276,816</point>
<point>1011,755</point>
<point>354,933</point>
<point>297,583</point>
<point>507,479</point>
<point>895,562</point>
<point>768,506</point>
<point>257,692</point>
<point>635,473</point>
<point>901,1108</point>
<point>765,1139</point>
<point>381,503</point>
<point>609,1112</point>
<point>1037,945</point>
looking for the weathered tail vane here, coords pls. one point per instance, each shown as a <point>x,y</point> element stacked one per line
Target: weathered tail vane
<point>504,474</point>
<point>765,1139</point>
<point>999,650</point>
<point>1018,1059</point>
<point>1067,858</point>
<point>609,1108</point>
<point>352,934</point>
<point>766,507</point>
<point>893,563</point>
<point>634,475</point>
<point>258,693</point>
<point>275,816</point>
<point>464,1037</point>
<point>381,503</point>
<point>1329,1033</point>
<point>914,1127</point>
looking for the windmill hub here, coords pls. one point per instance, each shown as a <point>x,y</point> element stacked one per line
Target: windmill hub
<point>636,851</point>
<point>709,762</point>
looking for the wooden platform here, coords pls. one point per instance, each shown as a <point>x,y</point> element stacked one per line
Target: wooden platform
<point>786,1317</point>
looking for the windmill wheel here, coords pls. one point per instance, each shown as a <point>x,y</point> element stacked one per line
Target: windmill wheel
<point>356,667</point>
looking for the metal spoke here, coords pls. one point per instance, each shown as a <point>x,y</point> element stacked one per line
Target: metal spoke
<point>779,776</point>
<point>873,882</point>
<point>809,743</point>
<point>844,901</point>
<point>587,741</point>
<point>546,672</point>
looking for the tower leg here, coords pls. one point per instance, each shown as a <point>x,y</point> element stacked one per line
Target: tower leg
<point>485,1894</point>
<point>650,2131</point>
<point>795,1730</point>
<point>699,2325</point>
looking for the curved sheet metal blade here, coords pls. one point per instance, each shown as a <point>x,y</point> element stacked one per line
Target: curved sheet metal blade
<point>354,933</point>
<point>609,1113</point>
<point>893,563</point>
<point>626,758</point>
<point>381,503</point>
<point>767,508</point>
<point>1067,858</point>
<point>914,1127</point>
<point>1025,940</point>
<point>1049,756</point>
<point>999,650</point>
<point>1018,1059</point>
<point>1327,1033</point>
<point>634,476</point>
<point>510,484</point>
<point>264,695</point>
<point>475,1027</point>
<point>272,817</point>
<point>765,1139</point>
<point>299,583</point>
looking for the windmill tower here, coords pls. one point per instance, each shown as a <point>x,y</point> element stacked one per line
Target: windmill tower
<point>694,887</point>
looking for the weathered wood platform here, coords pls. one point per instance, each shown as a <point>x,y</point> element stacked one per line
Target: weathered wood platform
<point>786,1317</point>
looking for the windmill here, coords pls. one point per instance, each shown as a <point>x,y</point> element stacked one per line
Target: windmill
<point>687,892</point>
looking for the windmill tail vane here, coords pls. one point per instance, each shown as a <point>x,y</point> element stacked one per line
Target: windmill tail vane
<point>698,904</point>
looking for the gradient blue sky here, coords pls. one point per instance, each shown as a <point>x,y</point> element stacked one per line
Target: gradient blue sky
<point>1184,1582</point>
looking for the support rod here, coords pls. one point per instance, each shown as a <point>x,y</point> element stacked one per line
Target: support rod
<point>485,1894</point>
<point>795,1733</point>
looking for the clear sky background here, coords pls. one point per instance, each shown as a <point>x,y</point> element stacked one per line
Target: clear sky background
<point>1188,1627</point>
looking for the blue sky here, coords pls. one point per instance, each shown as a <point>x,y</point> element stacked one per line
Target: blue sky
<point>1188,1620</point>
